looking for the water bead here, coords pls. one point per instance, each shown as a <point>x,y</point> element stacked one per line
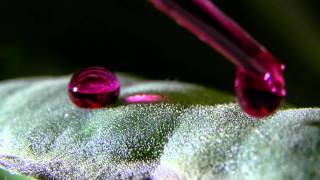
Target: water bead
<point>94,87</point>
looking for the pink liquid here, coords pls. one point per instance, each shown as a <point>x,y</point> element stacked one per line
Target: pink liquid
<point>94,87</point>
<point>145,98</point>
<point>260,85</point>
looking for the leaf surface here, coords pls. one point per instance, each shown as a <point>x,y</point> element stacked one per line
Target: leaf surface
<point>194,132</point>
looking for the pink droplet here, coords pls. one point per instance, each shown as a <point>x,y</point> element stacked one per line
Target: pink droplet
<point>260,96</point>
<point>260,85</point>
<point>94,87</point>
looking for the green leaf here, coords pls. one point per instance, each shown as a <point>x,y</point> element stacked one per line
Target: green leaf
<point>191,134</point>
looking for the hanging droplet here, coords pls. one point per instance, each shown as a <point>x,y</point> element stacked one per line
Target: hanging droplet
<point>260,96</point>
<point>94,87</point>
<point>260,85</point>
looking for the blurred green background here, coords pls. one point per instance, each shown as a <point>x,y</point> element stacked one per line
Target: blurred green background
<point>8,176</point>
<point>60,37</point>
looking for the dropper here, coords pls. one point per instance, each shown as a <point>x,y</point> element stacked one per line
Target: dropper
<point>259,84</point>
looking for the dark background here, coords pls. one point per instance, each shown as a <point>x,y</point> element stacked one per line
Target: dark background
<point>60,37</point>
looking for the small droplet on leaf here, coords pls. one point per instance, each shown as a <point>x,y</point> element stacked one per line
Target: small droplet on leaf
<point>94,87</point>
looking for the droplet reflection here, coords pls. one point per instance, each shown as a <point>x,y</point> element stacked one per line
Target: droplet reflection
<point>144,98</point>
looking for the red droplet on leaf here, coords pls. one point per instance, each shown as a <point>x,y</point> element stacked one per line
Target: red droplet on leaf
<point>94,87</point>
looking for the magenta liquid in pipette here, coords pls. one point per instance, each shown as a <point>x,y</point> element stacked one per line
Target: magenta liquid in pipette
<point>259,84</point>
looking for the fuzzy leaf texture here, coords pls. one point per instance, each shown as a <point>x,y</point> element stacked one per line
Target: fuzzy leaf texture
<point>195,133</point>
